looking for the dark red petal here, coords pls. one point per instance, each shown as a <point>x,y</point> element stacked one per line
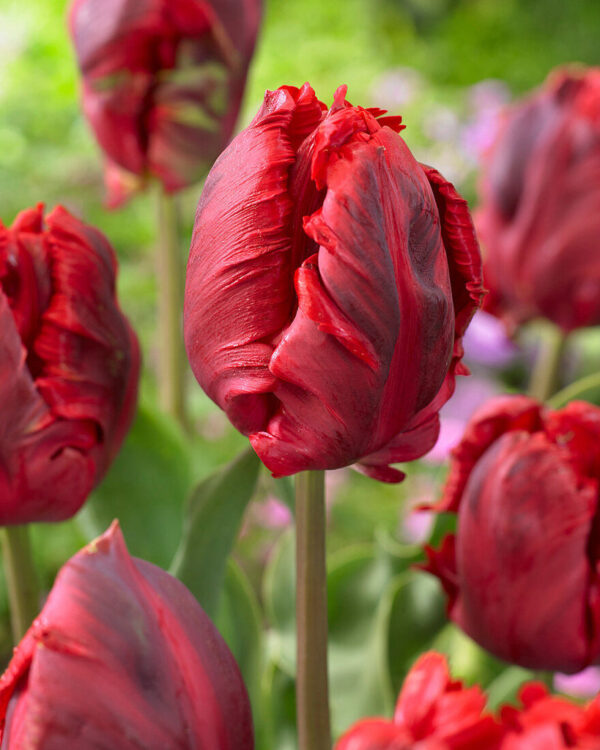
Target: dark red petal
<point>413,443</point>
<point>539,211</point>
<point>442,563</point>
<point>524,522</point>
<point>382,265</point>
<point>240,258</point>
<point>89,352</point>
<point>123,656</point>
<point>488,423</point>
<point>45,470</point>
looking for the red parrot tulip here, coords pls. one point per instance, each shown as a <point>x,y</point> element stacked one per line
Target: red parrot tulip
<point>122,656</point>
<point>522,571</point>
<point>330,281</point>
<point>539,219</point>
<point>69,365</point>
<point>433,712</point>
<point>162,83</point>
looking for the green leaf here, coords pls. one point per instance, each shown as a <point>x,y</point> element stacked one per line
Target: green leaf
<point>279,595</point>
<point>417,615</point>
<point>239,622</point>
<point>145,489</point>
<point>505,687</point>
<point>212,519</point>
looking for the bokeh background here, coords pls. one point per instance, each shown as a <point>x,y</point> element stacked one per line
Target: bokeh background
<point>448,67</point>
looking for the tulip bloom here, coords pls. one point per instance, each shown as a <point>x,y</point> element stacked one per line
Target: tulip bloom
<point>547,722</point>
<point>433,712</point>
<point>539,219</point>
<point>69,365</point>
<point>162,83</point>
<point>522,571</point>
<point>330,281</point>
<point>122,656</point>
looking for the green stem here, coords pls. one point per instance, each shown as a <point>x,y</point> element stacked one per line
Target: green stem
<point>312,693</point>
<point>21,579</point>
<point>544,378</point>
<point>172,362</point>
<point>575,390</point>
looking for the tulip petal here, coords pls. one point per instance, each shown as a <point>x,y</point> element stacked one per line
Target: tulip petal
<point>523,535</point>
<point>241,257</point>
<point>123,656</point>
<point>390,295</point>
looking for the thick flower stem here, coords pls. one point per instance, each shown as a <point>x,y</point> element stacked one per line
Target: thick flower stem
<point>544,378</point>
<point>172,362</point>
<point>312,696</point>
<point>21,579</point>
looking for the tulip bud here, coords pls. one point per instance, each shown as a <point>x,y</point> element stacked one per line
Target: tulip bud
<point>330,281</point>
<point>162,83</point>
<point>433,712</point>
<point>539,219</point>
<point>69,365</point>
<point>522,570</point>
<point>122,656</point>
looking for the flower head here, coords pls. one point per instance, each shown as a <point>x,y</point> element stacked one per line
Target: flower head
<point>162,83</point>
<point>122,656</point>
<point>69,365</point>
<point>330,281</point>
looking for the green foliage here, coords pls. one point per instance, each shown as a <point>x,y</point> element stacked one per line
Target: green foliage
<point>381,613</point>
<point>212,520</point>
<point>145,489</point>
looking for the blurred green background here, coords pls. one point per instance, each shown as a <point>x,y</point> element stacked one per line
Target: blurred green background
<point>448,67</point>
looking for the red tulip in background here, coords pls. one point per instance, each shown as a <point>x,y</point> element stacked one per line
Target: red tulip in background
<point>330,281</point>
<point>69,365</point>
<point>539,220</point>
<point>162,83</point>
<point>522,571</point>
<point>547,722</point>
<point>122,656</point>
<point>433,712</point>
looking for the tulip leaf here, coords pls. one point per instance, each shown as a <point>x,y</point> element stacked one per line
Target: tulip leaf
<point>239,622</point>
<point>145,489</point>
<point>212,520</point>
<point>417,614</point>
<point>279,595</point>
<point>470,662</point>
<point>505,687</point>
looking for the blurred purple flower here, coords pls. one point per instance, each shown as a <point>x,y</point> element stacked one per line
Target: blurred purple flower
<point>469,394</point>
<point>486,101</point>
<point>584,684</point>
<point>486,342</point>
<point>272,513</point>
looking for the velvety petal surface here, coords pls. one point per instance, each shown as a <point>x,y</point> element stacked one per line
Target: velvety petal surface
<point>70,365</point>
<point>371,270</point>
<point>521,573</point>
<point>122,656</point>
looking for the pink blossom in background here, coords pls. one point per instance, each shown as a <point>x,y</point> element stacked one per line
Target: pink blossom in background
<point>584,684</point>
<point>470,393</point>
<point>486,101</point>
<point>486,342</point>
